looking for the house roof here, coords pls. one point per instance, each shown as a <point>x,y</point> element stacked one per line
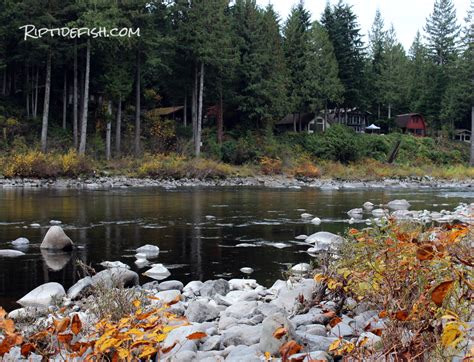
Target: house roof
<point>461,131</point>
<point>402,120</point>
<point>167,110</point>
<point>305,117</point>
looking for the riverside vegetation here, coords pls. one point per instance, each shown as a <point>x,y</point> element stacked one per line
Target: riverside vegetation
<point>398,289</point>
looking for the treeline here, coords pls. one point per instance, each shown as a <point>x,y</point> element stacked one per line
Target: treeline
<point>243,60</point>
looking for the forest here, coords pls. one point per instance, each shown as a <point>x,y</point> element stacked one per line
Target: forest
<point>235,67</point>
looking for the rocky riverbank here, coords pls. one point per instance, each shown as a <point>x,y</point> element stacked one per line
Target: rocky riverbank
<point>233,320</point>
<point>107,182</point>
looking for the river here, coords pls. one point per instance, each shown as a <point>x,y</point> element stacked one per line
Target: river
<point>197,229</point>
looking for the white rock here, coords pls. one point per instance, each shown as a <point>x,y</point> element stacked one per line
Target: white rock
<point>246,245</point>
<point>368,205</point>
<point>306,215</point>
<point>356,213</point>
<point>312,251</point>
<point>246,270</point>
<point>35,225</point>
<point>379,212</point>
<point>240,284</point>
<point>316,221</point>
<point>370,339</point>
<point>167,296</point>
<point>279,245</point>
<point>114,264</point>
<point>9,253</point>
<point>77,288</point>
<point>43,295</point>
<point>20,242</point>
<point>149,250</point>
<point>324,240</point>
<point>301,268</point>
<point>399,204</point>
<point>55,222</point>
<point>158,272</point>
<point>301,237</point>
<point>56,239</point>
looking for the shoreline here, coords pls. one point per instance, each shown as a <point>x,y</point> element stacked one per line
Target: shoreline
<point>277,182</point>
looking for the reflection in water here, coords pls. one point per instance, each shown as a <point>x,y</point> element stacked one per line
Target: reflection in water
<point>111,224</point>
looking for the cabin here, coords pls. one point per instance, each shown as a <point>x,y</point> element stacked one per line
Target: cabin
<point>301,122</point>
<point>413,123</point>
<point>354,118</point>
<point>462,135</point>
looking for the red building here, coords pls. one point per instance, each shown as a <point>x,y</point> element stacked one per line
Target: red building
<point>412,123</point>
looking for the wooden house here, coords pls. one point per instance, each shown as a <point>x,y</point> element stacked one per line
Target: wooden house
<point>412,123</point>
<point>300,122</point>
<point>354,118</point>
<point>463,135</point>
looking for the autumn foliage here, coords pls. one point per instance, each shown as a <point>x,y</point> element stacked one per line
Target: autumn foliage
<point>420,280</point>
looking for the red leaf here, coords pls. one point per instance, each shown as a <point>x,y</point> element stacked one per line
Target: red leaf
<point>439,293</point>
<point>288,349</point>
<point>196,335</point>
<point>76,325</point>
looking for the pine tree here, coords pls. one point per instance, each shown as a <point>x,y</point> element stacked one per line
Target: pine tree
<point>377,38</point>
<point>443,32</point>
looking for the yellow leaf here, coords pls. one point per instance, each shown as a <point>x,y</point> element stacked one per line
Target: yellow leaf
<point>453,334</point>
<point>137,303</point>
<point>268,356</point>
<point>123,353</point>
<point>280,332</point>
<point>335,345</point>
<point>107,344</point>
<point>147,351</point>
<point>319,277</point>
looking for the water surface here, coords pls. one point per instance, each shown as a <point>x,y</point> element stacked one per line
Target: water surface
<point>197,229</point>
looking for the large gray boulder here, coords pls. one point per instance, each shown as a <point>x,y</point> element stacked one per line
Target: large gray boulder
<point>268,343</point>
<point>56,239</point>
<point>244,353</point>
<point>79,288</point>
<point>43,296</point>
<point>242,334</point>
<point>201,312</point>
<point>115,277</point>
<point>213,287</point>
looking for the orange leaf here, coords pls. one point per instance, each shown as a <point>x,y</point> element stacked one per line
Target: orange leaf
<point>196,335</point>
<point>169,348</point>
<point>27,348</point>
<point>280,332</point>
<point>8,326</point>
<point>439,293</point>
<point>401,315</point>
<point>335,321</point>
<point>61,325</point>
<point>383,314</point>
<point>175,300</point>
<point>289,348</point>
<point>76,325</point>
<point>377,332</point>
<point>65,338</point>
<point>3,313</point>
<point>425,252</point>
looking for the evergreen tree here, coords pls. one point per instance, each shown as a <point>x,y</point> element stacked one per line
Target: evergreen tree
<point>344,33</point>
<point>443,32</point>
<point>377,38</point>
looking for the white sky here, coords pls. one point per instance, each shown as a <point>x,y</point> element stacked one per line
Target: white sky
<point>407,16</point>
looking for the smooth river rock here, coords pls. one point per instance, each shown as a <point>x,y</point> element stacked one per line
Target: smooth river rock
<point>157,272</point>
<point>399,204</point>
<point>324,240</point>
<point>115,277</point>
<point>20,242</point>
<point>56,239</point>
<point>268,342</point>
<point>43,296</point>
<point>9,253</point>
<point>201,312</point>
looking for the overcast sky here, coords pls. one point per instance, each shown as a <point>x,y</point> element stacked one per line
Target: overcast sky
<point>407,16</point>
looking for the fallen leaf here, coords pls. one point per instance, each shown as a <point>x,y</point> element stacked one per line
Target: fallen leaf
<point>61,325</point>
<point>401,315</point>
<point>280,332</point>
<point>76,325</point>
<point>425,252</point>
<point>169,348</point>
<point>65,338</point>
<point>335,321</point>
<point>196,335</point>
<point>439,293</point>
<point>383,314</point>
<point>288,349</point>
<point>27,348</point>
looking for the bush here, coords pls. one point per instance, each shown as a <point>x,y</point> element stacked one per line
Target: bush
<point>270,166</point>
<point>304,167</point>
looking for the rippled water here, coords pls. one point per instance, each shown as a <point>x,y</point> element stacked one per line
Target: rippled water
<point>197,230</point>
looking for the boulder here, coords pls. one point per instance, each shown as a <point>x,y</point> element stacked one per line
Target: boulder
<point>170,285</point>
<point>10,253</point>
<point>158,272</point>
<point>316,343</point>
<point>268,343</point>
<point>301,237</point>
<point>56,239</point>
<point>301,268</point>
<point>43,296</point>
<point>244,353</point>
<point>399,204</point>
<point>306,215</point>
<point>379,212</point>
<point>149,250</point>
<point>20,242</point>
<point>115,277</point>
<point>370,340</point>
<point>288,295</point>
<point>368,205</point>
<point>168,296</point>
<point>79,288</point>
<point>242,334</point>
<point>311,356</point>
<point>316,330</point>
<point>356,213</point>
<point>240,284</point>
<point>342,329</point>
<point>324,240</point>
<point>213,287</point>
<point>201,312</point>
<point>114,264</point>
<point>247,270</point>
<point>241,310</point>
<point>211,343</point>
<point>314,316</point>
<point>316,221</point>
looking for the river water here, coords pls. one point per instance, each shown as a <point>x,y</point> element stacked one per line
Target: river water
<point>197,229</point>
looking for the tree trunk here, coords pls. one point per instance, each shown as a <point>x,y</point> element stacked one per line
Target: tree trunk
<point>108,132</point>
<point>185,110</point>
<point>47,86</point>
<point>74,103</point>
<point>64,99</point>
<point>4,86</point>
<point>118,130</point>
<point>472,135</point>
<point>35,111</point>
<point>220,118</point>
<point>85,103</point>
<point>325,116</point>
<point>294,123</point>
<point>389,111</point>
<point>199,117</point>
<point>194,104</point>
<point>27,90</point>
<point>137,108</point>
<point>299,121</point>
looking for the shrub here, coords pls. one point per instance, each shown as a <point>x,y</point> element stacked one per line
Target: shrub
<point>74,165</point>
<point>270,166</point>
<point>305,168</point>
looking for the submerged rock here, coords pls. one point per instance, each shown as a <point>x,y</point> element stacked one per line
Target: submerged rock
<point>43,296</point>
<point>56,239</point>
<point>149,250</point>
<point>158,272</point>
<point>20,242</point>
<point>399,204</point>
<point>9,253</point>
<point>356,213</point>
